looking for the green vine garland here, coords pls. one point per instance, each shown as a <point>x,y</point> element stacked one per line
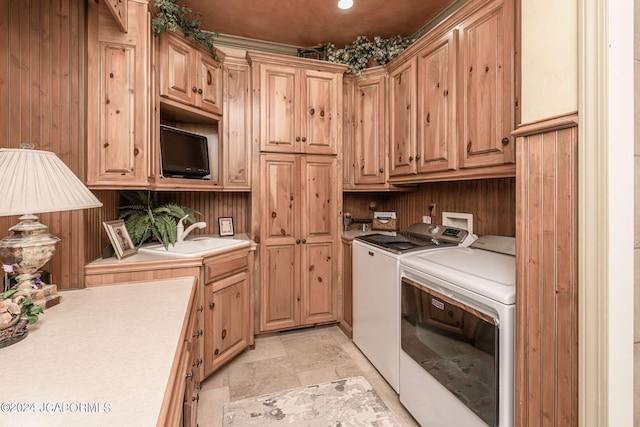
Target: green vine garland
<point>170,16</point>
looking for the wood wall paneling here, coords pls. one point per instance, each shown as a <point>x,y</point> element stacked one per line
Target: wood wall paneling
<point>546,257</point>
<point>491,201</point>
<point>42,92</point>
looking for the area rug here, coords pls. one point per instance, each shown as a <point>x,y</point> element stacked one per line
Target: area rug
<point>340,403</point>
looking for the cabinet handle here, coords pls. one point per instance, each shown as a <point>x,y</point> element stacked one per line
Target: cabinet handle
<point>418,157</point>
<point>381,170</point>
<point>224,333</point>
<point>201,308</point>
<point>136,151</point>
<point>297,241</point>
<point>189,376</point>
<point>216,351</point>
<point>304,139</point>
<point>410,158</point>
<point>211,305</point>
<point>304,241</point>
<point>297,139</point>
<point>199,91</point>
<point>194,89</point>
<point>505,141</point>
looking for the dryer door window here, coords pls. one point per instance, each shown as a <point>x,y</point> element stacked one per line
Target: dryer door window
<point>455,344</point>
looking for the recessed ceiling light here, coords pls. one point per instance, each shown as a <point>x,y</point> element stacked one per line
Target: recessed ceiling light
<point>345,4</point>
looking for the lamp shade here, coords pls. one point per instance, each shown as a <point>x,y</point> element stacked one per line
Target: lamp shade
<point>35,181</point>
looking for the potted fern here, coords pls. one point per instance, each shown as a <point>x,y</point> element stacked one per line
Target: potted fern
<point>145,218</point>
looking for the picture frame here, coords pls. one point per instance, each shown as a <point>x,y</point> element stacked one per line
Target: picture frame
<point>120,240</point>
<point>225,225</point>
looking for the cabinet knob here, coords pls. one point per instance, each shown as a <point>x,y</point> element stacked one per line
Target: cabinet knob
<point>297,139</point>
<point>194,89</point>
<point>211,305</point>
<point>304,139</point>
<point>505,141</point>
<point>136,151</point>
<point>297,241</point>
<point>381,170</point>
<point>418,157</point>
<point>189,376</point>
<point>216,351</point>
<point>304,241</point>
<point>199,91</point>
<point>201,308</point>
<point>224,333</point>
<point>410,158</point>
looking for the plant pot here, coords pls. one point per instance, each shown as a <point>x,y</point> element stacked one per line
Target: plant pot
<point>372,62</point>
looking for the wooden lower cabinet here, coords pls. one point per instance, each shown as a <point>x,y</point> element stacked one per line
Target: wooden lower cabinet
<point>192,371</point>
<point>299,238</point>
<point>346,322</point>
<point>219,324</point>
<point>227,305</point>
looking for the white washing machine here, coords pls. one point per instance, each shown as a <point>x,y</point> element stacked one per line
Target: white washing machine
<point>376,288</point>
<point>457,327</point>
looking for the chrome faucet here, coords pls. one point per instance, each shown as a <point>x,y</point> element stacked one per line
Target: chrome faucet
<point>181,233</point>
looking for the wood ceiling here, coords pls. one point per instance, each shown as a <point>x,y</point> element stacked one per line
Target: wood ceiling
<point>306,23</point>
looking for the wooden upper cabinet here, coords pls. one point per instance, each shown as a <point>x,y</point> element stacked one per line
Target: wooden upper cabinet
<point>300,104</point>
<point>119,11</point>
<point>189,74</point>
<point>486,75</point>
<point>236,139</point>
<point>436,105</point>
<point>118,97</point>
<point>370,129</point>
<point>402,114</point>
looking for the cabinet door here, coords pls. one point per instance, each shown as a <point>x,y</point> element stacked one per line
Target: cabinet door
<point>117,102</point>
<point>436,105</point>
<point>178,70</point>
<point>228,329</point>
<point>278,94</point>
<point>402,119</point>
<point>318,227</point>
<point>280,242</point>
<point>319,112</point>
<point>236,142</point>
<point>370,130</point>
<point>486,77</point>
<point>209,84</point>
<point>348,133</point>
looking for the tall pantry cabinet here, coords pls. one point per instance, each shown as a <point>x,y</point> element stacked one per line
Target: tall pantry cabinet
<point>296,199</point>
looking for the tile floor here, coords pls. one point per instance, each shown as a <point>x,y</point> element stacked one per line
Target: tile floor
<point>290,360</point>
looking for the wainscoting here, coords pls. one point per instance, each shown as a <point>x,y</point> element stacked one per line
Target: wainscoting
<point>547,279</point>
<point>491,201</point>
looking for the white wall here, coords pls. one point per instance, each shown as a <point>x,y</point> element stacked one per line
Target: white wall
<point>549,58</point>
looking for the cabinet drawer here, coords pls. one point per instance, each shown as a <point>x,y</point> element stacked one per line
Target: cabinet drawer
<point>225,265</point>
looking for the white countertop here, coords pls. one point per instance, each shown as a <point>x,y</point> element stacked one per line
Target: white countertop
<point>160,256</point>
<point>100,358</point>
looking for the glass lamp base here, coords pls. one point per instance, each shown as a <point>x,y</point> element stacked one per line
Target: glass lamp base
<point>27,248</point>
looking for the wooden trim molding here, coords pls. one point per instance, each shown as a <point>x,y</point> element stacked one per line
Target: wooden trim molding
<point>547,273</point>
<point>550,124</point>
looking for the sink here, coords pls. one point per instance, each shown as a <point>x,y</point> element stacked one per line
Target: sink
<point>196,247</point>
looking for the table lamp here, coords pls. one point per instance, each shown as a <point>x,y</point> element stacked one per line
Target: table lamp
<point>33,182</point>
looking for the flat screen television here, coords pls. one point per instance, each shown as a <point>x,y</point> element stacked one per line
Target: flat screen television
<point>183,154</point>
